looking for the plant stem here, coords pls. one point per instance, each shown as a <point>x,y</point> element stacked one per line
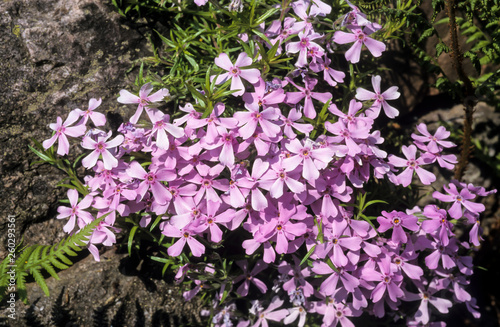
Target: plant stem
<point>468,99</point>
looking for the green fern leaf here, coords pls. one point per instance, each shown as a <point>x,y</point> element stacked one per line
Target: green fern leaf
<point>48,267</point>
<point>58,264</point>
<point>21,287</point>
<point>40,280</point>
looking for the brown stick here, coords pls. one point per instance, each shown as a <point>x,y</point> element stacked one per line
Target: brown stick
<point>468,98</point>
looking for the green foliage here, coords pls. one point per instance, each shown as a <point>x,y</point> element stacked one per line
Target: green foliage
<point>35,259</point>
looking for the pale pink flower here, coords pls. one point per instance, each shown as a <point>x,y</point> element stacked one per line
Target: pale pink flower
<point>97,118</point>
<point>236,73</point>
<point>379,98</point>
<point>359,37</point>
<point>100,148</point>
<point>143,100</point>
<point>61,130</point>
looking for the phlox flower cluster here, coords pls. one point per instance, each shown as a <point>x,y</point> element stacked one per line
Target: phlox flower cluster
<point>255,176</point>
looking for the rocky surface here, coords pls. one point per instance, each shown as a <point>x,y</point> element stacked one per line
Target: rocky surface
<point>57,54</point>
<point>54,56</point>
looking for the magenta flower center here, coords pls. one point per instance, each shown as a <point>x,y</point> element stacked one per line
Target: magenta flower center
<point>150,178</point>
<point>304,42</point>
<point>396,221</point>
<point>100,146</point>
<point>305,153</point>
<point>235,71</point>
<point>412,164</point>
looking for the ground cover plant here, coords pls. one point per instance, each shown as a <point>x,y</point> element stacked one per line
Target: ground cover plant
<point>268,188</point>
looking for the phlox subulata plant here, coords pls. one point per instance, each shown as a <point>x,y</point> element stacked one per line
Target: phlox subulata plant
<point>256,189</point>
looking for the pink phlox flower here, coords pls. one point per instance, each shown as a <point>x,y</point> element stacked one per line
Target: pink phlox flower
<point>152,181</point>
<point>215,123</point>
<point>188,212</point>
<point>351,120</point>
<point>103,178</point>
<point>294,121</point>
<point>225,146</point>
<point>263,96</point>
<point>379,98</point>
<point>459,199</point>
<point>267,119</point>
<point>136,140</point>
<point>62,130</point>
<point>371,142</point>
<point>300,312</point>
<point>270,313</point>
<point>195,156</point>
<point>206,178</point>
<point>351,136</point>
<point>477,190</point>
<point>249,277</point>
<point>97,118</point>
<point>103,234</point>
<point>312,159</point>
<point>443,254</point>
<point>117,193</point>
<point>437,223</point>
<point>279,228</point>
<point>297,278</point>
<point>329,188</point>
<point>359,37</point>
<point>401,262</point>
<point>261,142</point>
<point>213,218</point>
<point>397,220</point>
<point>335,312</point>
<point>277,177</point>
<point>235,72</point>
<point>343,274</point>
<point>453,282</point>
<point>304,46</point>
<point>427,296</point>
<point>434,142</point>
<point>239,187</point>
<point>389,281</point>
<point>253,182</point>
<point>308,17</point>
<point>355,17</point>
<point>162,126</point>
<point>143,100</point>
<point>101,149</point>
<point>282,33</point>
<point>447,161</point>
<point>330,75</point>
<point>336,242</point>
<point>185,235</point>
<point>412,165</point>
<point>77,211</point>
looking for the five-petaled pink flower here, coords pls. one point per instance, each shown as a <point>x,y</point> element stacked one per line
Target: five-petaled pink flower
<point>380,99</point>
<point>143,100</point>
<point>63,129</point>
<point>100,148</point>
<point>359,37</point>
<point>76,210</point>
<point>412,164</point>
<point>236,73</point>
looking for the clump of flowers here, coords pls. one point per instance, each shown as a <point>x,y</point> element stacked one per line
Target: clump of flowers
<point>252,203</point>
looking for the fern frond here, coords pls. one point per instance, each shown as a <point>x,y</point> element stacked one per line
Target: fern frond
<point>36,258</point>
